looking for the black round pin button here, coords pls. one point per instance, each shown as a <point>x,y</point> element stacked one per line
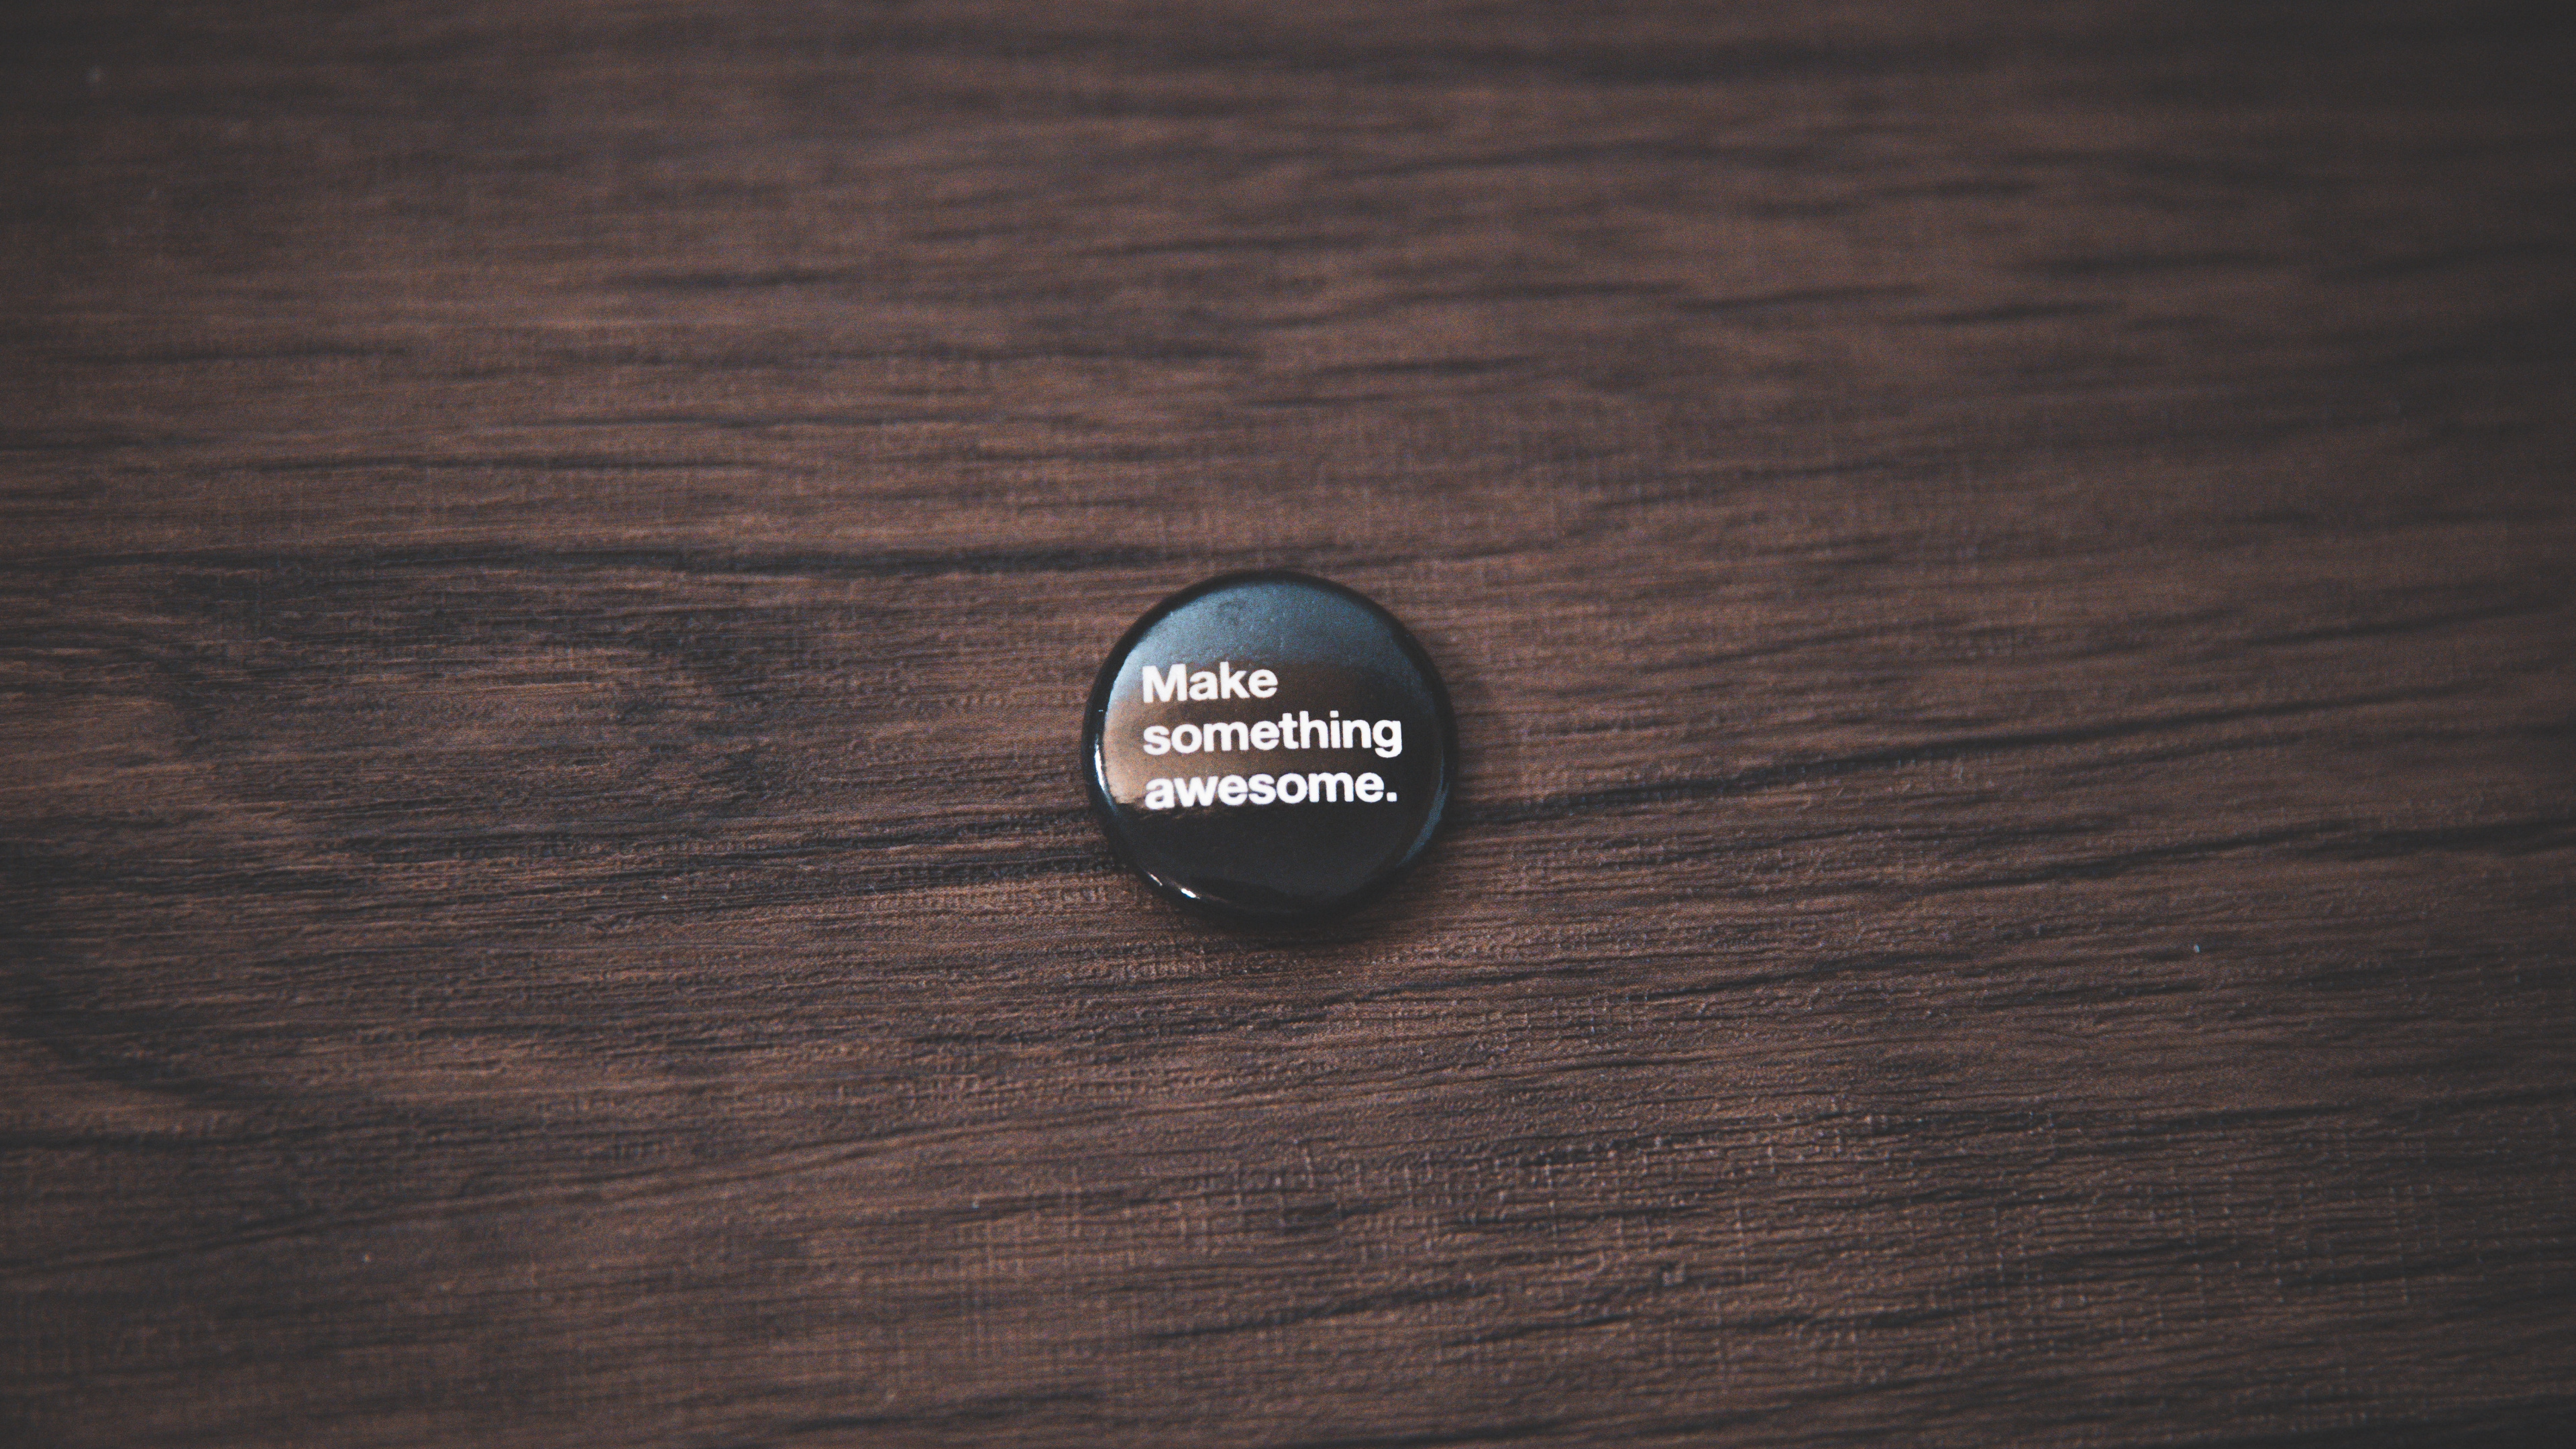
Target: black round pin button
<point>1268,746</point>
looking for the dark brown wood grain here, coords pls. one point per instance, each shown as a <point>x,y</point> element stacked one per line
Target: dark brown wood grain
<point>2006,574</point>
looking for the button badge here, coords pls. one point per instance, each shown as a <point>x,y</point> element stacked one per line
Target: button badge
<point>1268,746</point>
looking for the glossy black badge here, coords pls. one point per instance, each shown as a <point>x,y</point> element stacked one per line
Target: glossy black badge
<point>1268,745</point>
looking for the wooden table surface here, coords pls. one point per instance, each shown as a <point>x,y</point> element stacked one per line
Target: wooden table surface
<point>2006,571</point>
